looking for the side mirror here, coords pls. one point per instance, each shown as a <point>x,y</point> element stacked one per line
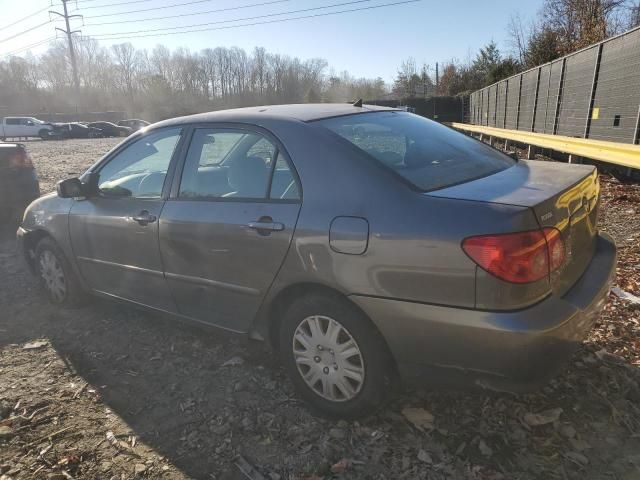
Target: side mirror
<point>29,123</point>
<point>70,188</point>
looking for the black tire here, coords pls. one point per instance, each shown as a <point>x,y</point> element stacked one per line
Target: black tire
<point>379,373</point>
<point>44,134</point>
<point>73,294</point>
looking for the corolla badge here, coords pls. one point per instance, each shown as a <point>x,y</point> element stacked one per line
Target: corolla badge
<point>546,216</point>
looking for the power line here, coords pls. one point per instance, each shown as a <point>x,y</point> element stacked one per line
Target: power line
<point>112,4</point>
<point>24,49</point>
<point>121,3</point>
<point>268,21</point>
<point>341,4</point>
<point>25,31</point>
<point>24,18</point>
<point>164,7</point>
<point>187,14</point>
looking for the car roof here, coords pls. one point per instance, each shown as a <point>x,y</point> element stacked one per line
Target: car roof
<point>304,112</point>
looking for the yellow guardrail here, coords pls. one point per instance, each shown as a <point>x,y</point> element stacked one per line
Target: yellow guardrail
<point>623,154</point>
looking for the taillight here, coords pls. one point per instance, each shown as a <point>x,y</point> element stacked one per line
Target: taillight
<point>20,159</point>
<point>521,257</point>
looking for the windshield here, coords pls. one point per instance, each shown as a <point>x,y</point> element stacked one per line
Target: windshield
<point>425,153</point>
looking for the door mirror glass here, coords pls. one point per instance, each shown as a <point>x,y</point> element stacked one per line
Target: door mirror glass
<point>139,170</point>
<point>70,188</point>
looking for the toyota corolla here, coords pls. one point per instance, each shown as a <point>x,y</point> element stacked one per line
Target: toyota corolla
<point>363,243</point>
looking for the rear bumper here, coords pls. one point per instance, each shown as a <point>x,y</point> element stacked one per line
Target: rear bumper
<point>502,350</point>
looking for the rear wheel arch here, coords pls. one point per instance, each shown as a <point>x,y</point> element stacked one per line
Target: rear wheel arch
<point>288,295</point>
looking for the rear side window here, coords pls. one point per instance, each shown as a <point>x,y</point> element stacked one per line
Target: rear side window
<point>230,164</point>
<point>12,121</point>
<point>426,154</point>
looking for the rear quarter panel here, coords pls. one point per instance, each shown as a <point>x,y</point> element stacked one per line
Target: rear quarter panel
<point>414,250</point>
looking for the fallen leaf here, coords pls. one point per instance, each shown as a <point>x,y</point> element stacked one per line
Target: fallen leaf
<point>542,418</point>
<point>485,449</point>
<point>341,466</point>
<point>618,292</point>
<point>424,456</point>
<point>419,417</point>
<point>233,361</point>
<point>35,345</point>
<point>577,458</point>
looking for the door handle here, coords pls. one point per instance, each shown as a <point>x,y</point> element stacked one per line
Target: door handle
<point>144,218</point>
<point>265,225</point>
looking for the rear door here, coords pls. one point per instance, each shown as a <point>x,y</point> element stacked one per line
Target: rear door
<point>227,228</point>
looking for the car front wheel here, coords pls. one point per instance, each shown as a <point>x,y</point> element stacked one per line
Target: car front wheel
<point>335,357</point>
<point>56,275</point>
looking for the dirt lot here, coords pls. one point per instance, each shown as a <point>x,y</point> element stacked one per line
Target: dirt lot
<point>109,392</point>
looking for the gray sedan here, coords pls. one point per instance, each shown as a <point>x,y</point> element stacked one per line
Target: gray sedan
<point>364,244</point>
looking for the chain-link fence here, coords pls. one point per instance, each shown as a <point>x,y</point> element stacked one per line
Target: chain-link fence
<point>592,93</point>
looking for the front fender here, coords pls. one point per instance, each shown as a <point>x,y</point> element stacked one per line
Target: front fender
<point>48,215</point>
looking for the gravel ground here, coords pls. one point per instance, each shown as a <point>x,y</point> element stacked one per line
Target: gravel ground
<point>109,392</point>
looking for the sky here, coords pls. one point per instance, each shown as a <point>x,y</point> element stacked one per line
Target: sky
<point>368,43</point>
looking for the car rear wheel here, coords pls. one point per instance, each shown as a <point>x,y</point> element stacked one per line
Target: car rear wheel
<point>56,275</point>
<point>335,357</point>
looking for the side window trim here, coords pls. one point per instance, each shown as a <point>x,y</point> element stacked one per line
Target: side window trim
<point>176,157</point>
<point>187,137</point>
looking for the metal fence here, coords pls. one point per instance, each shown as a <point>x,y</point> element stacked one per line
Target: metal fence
<point>592,93</point>
<point>443,108</point>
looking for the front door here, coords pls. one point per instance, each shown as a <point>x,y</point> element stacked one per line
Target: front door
<point>114,234</point>
<point>225,234</point>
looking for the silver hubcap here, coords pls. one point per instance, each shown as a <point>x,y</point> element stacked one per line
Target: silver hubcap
<point>328,358</point>
<point>53,276</point>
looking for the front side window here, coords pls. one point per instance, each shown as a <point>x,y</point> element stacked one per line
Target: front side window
<point>140,169</point>
<point>233,164</point>
<point>428,155</point>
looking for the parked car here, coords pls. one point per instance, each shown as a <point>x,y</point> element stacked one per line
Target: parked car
<point>109,129</point>
<point>361,242</point>
<point>135,124</point>
<point>18,181</point>
<point>76,130</point>
<point>24,127</point>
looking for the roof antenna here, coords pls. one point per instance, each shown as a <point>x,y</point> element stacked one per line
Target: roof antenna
<point>357,103</point>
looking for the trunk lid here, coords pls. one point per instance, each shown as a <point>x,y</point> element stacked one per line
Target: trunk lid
<point>562,196</point>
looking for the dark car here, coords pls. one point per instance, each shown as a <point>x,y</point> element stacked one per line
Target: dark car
<point>135,124</point>
<point>361,242</point>
<point>109,129</point>
<point>18,181</point>
<point>76,130</point>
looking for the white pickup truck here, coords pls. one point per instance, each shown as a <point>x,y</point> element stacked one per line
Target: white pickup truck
<point>23,127</point>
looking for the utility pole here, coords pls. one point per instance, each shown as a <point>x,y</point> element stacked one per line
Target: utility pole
<point>437,78</point>
<point>72,54</point>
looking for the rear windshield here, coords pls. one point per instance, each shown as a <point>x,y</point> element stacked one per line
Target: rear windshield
<point>429,155</point>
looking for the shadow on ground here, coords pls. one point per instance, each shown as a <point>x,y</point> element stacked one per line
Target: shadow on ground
<point>165,378</point>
